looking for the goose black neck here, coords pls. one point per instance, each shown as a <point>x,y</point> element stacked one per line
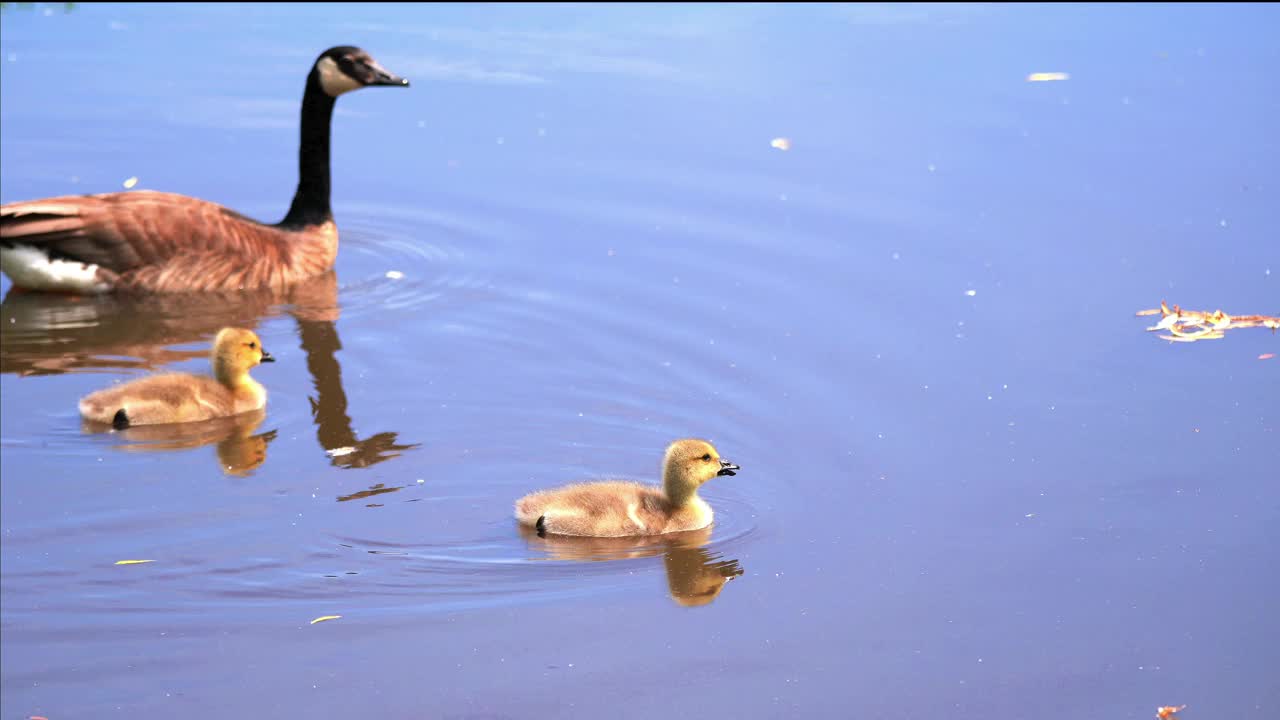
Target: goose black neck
<point>311,202</point>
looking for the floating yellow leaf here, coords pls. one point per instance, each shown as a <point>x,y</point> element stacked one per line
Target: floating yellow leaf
<point>1192,325</point>
<point>781,143</point>
<point>1047,76</point>
<point>132,562</point>
<point>322,618</point>
<point>128,184</point>
<point>1168,711</point>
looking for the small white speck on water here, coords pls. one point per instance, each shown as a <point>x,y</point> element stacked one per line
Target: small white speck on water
<point>1222,223</point>
<point>420,481</point>
<point>970,293</point>
<point>395,274</point>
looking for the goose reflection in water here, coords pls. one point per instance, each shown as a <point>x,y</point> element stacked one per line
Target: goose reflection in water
<point>45,334</point>
<point>239,449</point>
<point>695,574</point>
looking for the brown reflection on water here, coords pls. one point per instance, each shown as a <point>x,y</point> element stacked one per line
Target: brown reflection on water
<point>44,334</point>
<point>239,450</point>
<point>377,489</point>
<point>695,575</point>
<point>329,406</point>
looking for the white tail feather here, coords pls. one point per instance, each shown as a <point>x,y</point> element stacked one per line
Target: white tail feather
<point>32,268</point>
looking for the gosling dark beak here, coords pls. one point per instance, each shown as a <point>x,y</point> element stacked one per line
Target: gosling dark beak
<point>727,468</point>
<point>266,357</point>
<point>382,76</point>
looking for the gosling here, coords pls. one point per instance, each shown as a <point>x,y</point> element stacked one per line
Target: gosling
<point>620,509</point>
<point>180,397</point>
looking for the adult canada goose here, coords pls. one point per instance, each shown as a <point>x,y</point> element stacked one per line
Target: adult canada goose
<point>181,397</point>
<point>619,509</point>
<point>148,241</point>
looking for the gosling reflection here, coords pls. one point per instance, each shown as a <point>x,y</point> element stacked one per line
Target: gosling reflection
<point>239,450</point>
<point>695,574</point>
<point>45,334</point>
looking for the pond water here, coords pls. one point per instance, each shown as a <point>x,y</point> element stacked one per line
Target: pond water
<point>972,486</point>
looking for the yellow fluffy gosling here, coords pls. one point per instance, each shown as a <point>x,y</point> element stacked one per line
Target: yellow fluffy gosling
<point>179,397</point>
<point>618,508</point>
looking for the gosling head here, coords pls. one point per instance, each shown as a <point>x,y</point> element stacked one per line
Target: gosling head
<point>690,463</point>
<point>235,350</point>
<point>345,68</point>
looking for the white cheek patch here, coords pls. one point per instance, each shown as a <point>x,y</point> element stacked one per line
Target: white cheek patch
<point>333,81</point>
<point>33,269</point>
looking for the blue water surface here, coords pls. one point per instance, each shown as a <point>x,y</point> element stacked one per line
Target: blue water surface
<point>972,485</point>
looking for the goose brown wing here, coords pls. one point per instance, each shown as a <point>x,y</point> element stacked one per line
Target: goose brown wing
<point>123,232</point>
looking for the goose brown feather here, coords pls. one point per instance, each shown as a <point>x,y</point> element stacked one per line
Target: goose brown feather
<point>135,241</point>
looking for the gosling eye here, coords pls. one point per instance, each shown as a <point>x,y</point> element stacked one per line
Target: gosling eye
<point>253,345</point>
<point>707,457</point>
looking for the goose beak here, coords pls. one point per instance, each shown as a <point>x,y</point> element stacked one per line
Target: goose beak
<point>728,468</point>
<point>383,76</point>
<point>266,357</point>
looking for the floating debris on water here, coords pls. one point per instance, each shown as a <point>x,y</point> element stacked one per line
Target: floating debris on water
<point>324,618</point>
<point>1047,76</point>
<point>1192,325</point>
<point>129,183</point>
<point>133,562</point>
<point>780,143</point>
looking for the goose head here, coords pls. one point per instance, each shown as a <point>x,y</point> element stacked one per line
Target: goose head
<point>235,350</point>
<point>345,68</point>
<point>688,464</point>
